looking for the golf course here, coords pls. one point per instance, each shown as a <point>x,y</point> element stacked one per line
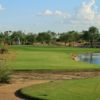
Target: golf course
<point>49,58</point>
<point>54,58</point>
<point>49,49</point>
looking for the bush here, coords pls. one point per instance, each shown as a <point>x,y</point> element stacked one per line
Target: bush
<point>3,50</point>
<point>4,72</point>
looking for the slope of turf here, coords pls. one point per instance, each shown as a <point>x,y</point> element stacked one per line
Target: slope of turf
<point>30,57</point>
<point>87,89</point>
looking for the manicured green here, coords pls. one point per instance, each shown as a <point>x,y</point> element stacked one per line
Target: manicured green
<point>49,57</point>
<point>83,89</point>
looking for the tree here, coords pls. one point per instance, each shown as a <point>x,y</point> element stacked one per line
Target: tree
<point>73,36</point>
<point>30,38</point>
<point>93,32</point>
<point>1,37</point>
<point>64,38</point>
<point>85,36</point>
<point>7,38</point>
<point>53,36</point>
<point>44,37</point>
<point>18,37</point>
<point>70,36</point>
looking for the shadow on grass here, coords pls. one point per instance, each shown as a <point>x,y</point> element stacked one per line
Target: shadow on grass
<point>19,94</point>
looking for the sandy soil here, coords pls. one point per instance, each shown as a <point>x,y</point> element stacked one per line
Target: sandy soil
<point>23,79</point>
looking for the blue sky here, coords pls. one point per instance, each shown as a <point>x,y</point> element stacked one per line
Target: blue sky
<point>44,15</point>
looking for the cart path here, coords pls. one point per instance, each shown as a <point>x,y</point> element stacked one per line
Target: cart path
<point>7,91</point>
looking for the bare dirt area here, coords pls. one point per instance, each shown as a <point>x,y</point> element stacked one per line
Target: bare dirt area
<point>23,78</point>
<point>53,75</point>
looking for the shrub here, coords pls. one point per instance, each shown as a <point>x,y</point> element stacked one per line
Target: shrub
<point>4,72</point>
<point>3,50</point>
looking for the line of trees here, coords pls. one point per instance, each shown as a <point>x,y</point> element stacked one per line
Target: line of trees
<point>18,37</point>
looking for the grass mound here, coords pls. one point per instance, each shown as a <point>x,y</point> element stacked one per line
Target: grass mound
<point>87,89</point>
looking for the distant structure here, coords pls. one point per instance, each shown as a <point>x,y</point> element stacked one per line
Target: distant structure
<point>18,42</point>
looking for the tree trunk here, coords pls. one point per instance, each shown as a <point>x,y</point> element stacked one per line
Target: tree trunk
<point>91,44</point>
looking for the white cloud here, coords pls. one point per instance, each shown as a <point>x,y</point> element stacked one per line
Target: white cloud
<point>47,13</point>
<point>1,7</point>
<point>59,13</point>
<point>54,13</point>
<point>87,11</point>
<point>86,15</point>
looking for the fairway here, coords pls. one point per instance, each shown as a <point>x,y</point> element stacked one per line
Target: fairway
<point>50,58</point>
<point>83,89</point>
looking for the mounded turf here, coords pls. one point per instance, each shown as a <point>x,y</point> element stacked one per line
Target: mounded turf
<point>83,89</point>
<point>50,58</point>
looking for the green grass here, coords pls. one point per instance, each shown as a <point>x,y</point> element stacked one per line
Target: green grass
<point>87,89</point>
<point>50,58</point>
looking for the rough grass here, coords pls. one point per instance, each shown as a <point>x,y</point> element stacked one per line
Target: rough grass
<point>87,89</point>
<point>50,58</point>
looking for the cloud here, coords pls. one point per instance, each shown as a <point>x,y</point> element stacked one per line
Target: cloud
<point>1,7</point>
<point>62,14</point>
<point>47,13</point>
<point>58,13</point>
<point>87,11</point>
<point>85,16</point>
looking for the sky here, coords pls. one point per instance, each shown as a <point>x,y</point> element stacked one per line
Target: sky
<point>54,15</point>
